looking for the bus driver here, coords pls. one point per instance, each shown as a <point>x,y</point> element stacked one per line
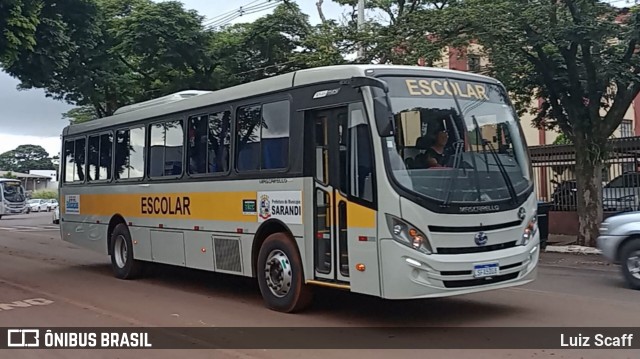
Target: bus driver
<point>434,142</point>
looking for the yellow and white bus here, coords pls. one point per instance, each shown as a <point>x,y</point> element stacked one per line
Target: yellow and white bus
<point>12,197</point>
<point>393,181</point>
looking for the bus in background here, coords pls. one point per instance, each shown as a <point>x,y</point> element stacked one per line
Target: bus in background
<point>399,182</point>
<point>12,198</point>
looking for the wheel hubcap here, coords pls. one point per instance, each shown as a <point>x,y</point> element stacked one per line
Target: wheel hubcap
<point>277,272</point>
<point>120,251</point>
<point>633,264</point>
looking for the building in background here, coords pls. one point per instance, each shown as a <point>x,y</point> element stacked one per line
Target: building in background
<point>31,182</point>
<point>52,174</point>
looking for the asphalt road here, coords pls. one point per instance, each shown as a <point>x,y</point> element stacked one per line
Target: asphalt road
<point>72,287</point>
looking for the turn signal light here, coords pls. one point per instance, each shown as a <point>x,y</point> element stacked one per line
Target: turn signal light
<point>360,267</point>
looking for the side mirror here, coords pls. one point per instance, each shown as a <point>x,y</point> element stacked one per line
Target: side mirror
<point>384,117</point>
<point>383,114</point>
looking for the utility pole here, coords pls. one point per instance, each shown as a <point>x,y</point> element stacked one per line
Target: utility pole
<point>360,26</point>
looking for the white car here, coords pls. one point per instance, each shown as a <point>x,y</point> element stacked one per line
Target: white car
<point>52,204</point>
<point>56,216</point>
<point>620,244</point>
<point>37,205</point>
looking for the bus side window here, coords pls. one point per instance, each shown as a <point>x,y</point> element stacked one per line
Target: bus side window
<point>360,154</point>
<point>275,135</point>
<point>219,141</point>
<point>74,167</point>
<point>208,143</point>
<point>129,153</point>
<point>263,136</point>
<point>166,149</point>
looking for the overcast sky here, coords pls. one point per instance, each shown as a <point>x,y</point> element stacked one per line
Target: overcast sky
<point>28,117</point>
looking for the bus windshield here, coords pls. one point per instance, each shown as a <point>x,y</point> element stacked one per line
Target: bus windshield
<point>458,141</point>
<point>12,191</point>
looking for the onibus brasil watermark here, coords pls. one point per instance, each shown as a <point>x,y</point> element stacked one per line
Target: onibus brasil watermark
<point>37,338</point>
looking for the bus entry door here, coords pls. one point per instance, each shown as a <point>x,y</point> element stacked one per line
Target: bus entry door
<point>344,174</point>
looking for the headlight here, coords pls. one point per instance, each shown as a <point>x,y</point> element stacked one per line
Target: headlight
<point>604,228</point>
<point>530,230</point>
<point>408,235</point>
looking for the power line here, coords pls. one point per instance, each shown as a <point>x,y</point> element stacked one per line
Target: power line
<point>216,18</point>
<point>228,18</point>
<point>233,17</point>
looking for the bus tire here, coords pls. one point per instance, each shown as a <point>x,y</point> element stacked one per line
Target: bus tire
<point>280,275</point>
<point>122,261</point>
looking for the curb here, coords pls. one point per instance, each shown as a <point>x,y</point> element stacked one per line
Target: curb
<point>574,249</point>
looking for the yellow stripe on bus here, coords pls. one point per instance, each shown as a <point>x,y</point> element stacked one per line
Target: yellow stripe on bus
<point>217,206</point>
<point>358,216</point>
<point>220,206</point>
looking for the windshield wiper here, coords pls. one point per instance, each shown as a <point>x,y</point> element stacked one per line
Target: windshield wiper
<point>456,161</point>
<point>494,154</point>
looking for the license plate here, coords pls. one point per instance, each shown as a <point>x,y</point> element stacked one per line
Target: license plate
<point>486,270</point>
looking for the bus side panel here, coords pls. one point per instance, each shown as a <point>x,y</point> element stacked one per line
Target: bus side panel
<point>87,235</point>
<point>142,243</point>
<point>363,249</point>
<point>168,247</point>
<point>85,231</point>
<point>306,246</point>
<point>198,249</point>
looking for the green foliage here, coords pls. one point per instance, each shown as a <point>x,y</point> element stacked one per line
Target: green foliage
<point>25,158</point>
<point>44,194</point>
<point>582,57</point>
<point>562,140</point>
<point>575,55</point>
<point>120,52</point>
<point>80,114</point>
<point>399,36</point>
<point>18,22</point>
<point>9,175</point>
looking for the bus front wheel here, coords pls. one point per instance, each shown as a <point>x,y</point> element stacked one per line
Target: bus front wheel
<point>280,275</point>
<point>122,261</point>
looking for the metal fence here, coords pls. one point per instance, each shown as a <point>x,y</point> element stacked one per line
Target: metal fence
<point>554,171</point>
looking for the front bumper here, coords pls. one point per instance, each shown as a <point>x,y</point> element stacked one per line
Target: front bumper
<point>409,274</point>
<point>609,246</point>
<point>14,210</point>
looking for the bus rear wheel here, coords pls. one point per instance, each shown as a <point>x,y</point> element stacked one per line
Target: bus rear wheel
<point>122,261</point>
<point>280,275</point>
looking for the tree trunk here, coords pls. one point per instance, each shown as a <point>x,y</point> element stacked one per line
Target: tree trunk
<point>589,186</point>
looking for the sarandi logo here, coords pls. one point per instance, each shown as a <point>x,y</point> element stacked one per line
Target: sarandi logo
<point>265,205</point>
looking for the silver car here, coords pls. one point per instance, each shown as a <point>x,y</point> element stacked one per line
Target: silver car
<point>619,241</point>
<point>56,215</point>
<point>622,193</point>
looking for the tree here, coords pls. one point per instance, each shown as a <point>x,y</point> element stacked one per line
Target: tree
<point>126,51</point>
<point>562,140</point>
<point>9,175</point>
<point>25,158</point>
<point>396,34</point>
<point>582,57</point>
<point>80,114</point>
<point>18,22</point>
<point>100,59</point>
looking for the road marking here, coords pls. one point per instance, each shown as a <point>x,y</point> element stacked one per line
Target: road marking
<point>41,228</point>
<point>25,303</point>
<point>115,315</point>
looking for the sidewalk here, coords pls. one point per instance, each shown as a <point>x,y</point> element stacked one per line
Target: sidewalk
<point>558,243</point>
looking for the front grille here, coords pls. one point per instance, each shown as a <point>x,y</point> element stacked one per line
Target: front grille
<point>479,281</point>
<point>473,229</point>
<point>479,249</point>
